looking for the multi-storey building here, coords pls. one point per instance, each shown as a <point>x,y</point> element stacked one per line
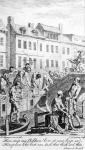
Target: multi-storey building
<point>46,46</point>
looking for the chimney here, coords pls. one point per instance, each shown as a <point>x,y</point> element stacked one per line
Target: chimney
<point>10,20</point>
<point>30,25</point>
<point>60,26</point>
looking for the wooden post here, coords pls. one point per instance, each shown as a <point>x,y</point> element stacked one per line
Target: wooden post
<point>7,119</point>
<point>82,109</point>
<point>36,119</point>
<point>7,126</point>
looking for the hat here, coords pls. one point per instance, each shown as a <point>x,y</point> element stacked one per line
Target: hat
<point>27,64</point>
<point>60,93</point>
<point>77,79</point>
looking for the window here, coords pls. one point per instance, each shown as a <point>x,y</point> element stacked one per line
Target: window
<point>30,45</point>
<point>52,63</point>
<point>34,44</point>
<point>40,47</point>
<point>56,37</point>
<point>63,64</point>
<point>30,60</point>
<point>63,50</point>
<point>47,62</point>
<point>56,64</point>
<point>52,48</point>
<point>40,63</point>
<point>51,36</point>
<point>83,60</point>
<point>1,41</point>
<point>48,35</point>
<point>24,60</point>
<point>34,63</point>
<point>56,49</point>
<point>68,51</point>
<point>24,44</point>
<point>31,102</point>
<point>47,48</point>
<point>19,43</point>
<point>1,60</point>
<point>19,61</point>
<point>3,107</point>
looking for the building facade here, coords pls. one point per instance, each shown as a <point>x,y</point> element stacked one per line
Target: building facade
<point>46,46</point>
<point>3,52</point>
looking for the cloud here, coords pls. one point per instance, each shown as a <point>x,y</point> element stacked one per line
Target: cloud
<point>65,11</point>
<point>37,3</point>
<point>46,11</point>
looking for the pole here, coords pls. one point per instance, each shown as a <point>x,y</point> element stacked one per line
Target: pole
<point>7,125</point>
<point>7,119</point>
<point>82,109</point>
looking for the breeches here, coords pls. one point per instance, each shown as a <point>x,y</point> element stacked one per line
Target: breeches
<point>15,105</point>
<point>60,114</point>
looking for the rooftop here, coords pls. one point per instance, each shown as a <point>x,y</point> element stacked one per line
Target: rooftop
<point>49,28</point>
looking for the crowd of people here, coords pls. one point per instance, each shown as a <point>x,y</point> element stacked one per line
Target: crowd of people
<point>13,81</point>
<point>69,107</point>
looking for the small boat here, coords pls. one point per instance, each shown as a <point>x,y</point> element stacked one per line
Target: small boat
<point>15,127</point>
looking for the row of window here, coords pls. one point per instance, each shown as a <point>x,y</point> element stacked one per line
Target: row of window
<point>53,48</point>
<point>53,63</point>
<point>49,63</point>
<point>25,45</point>
<point>68,51</point>
<point>1,61</point>
<point>52,36</point>
<point>20,61</point>
<point>24,61</point>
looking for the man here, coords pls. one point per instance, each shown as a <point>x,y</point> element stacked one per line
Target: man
<point>47,81</point>
<point>73,95</point>
<point>27,74</point>
<point>11,69</point>
<point>15,98</point>
<point>59,109</point>
<point>27,83</point>
<point>11,76</point>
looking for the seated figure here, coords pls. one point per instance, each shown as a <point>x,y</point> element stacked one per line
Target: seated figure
<point>59,109</point>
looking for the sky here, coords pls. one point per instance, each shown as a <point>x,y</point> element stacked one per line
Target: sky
<point>70,13</point>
